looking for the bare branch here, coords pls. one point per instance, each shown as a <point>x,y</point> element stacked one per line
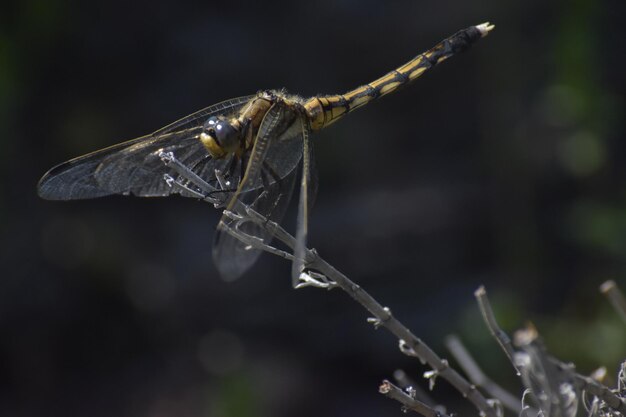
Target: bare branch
<point>328,277</point>
<point>552,389</point>
<point>405,381</point>
<point>551,377</point>
<point>615,296</point>
<point>411,344</point>
<point>478,377</point>
<point>556,371</point>
<point>621,380</point>
<point>593,387</point>
<point>407,401</point>
<point>490,320</point>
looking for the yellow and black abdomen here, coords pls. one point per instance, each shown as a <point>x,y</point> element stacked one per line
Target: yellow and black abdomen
<point>324,110</point>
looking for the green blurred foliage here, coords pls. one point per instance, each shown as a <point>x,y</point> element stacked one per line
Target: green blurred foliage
<point>234,397</point>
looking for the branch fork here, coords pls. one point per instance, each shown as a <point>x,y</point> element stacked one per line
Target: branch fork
<point>553,387</point>
<point>320,274</point>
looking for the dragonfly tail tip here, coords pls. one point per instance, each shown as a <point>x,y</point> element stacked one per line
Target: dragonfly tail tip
<point>485,28</point>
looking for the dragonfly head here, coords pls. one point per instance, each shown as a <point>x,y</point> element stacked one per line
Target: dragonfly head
<point>220,137</point>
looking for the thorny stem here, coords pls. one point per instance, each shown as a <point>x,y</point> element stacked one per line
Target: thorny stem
<point>490,320</point>
<point>550,364</point>
<point>593,387</point>
<point>412,345</point>
<point>407,401</point>
<point>529,337</point>
<point>542,371</point>
<point>405,381</point>
<point>478,377</point>
<point>409,343</point>
<point>583,383</point>
<point>615,296</point>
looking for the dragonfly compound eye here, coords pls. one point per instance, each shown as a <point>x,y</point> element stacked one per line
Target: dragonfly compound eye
<point>219,137</point>
<point>227,135</point>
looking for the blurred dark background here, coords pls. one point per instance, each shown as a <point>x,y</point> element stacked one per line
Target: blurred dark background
<point>505,166</point>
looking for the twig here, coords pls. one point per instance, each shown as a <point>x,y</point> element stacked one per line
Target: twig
<point>478,377</point>
<point>593,387</point>
<point>621,380</point>
<point>615,296</point>
<point>592,410</point>
<point>409,343</point>
<point>490,320</point>
<point>528,340</point>
<point>323,275</point>
<point>405,381</point>
<point>407,401</point>
<point>549,386</point>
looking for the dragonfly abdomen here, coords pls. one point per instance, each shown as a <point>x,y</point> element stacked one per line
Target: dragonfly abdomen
<point>324,110</point>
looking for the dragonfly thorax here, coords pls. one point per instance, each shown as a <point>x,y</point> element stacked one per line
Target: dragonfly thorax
<point>220,136</point>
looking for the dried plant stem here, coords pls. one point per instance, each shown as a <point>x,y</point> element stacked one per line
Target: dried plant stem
<point>490,319</point>
<point>527,339</point>
<point>409,343</point>
<point>615,296</point>
<point>478,377</point>
<point>407,401</point>
<point>404,381</point>
<point>593,387</point>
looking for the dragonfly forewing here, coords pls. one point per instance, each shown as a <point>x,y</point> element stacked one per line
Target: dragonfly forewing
<point>134,167</point>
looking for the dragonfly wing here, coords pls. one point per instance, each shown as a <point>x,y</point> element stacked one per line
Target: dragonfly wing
<point>75,179</point>
<point>267,188</point>
<point>231,256</point>
<point>308,190</point>
<point>139,170</point>
<point>198,118</point>
<point>134,167</point>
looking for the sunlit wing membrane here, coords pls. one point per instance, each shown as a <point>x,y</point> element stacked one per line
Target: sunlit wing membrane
<point>134,167</point>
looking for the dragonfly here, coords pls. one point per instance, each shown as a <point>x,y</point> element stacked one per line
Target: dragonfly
<point>242,152</point>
